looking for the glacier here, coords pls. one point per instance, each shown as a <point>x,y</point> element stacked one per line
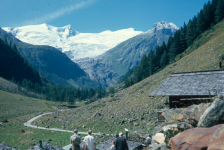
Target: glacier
<point>74,44</point>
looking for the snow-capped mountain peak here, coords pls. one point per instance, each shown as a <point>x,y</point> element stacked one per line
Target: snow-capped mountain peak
<point>74,44</point>
<point>163,25</point>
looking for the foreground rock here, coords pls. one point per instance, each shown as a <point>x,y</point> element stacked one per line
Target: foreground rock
<point>197,138</point>
<point>107,144</point>
<point>213,114</point>
<point>159,138</point>
<point>156,146</point>
<point>217,139</point>
<point>45,145</point>
<point>190,114</point>
<point>4,146</point>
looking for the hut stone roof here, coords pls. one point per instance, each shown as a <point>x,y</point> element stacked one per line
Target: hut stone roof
<point>193,83</point>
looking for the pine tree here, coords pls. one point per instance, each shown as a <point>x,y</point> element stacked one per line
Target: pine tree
<point>190,33</point>
<point>219,13</point>
<point>182,41</point>
<point>151,62</point>
<point>208,14</point>
<point>200,23</point>
<point>143,67</point>
<point>164,59</point>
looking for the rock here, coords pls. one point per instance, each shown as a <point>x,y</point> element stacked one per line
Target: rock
<point>196,138</point>
<point>159,138</point>
<point>190,114</point>
<point>22,131</point>
<point>193,113</point>
<point>157,129</point>
<point>172,115</point>
<point>4,146</point>
<point>183,126</point>
<point>217,139</point>
<point>136,124</point>
<point>213,114</point>
<point>171,127</point>
<point>156,146</point>
<point>96,114</point>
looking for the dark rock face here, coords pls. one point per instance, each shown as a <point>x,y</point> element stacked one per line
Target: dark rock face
<point>195,139</point>
<point>217,140</point>
<point>213,114</point>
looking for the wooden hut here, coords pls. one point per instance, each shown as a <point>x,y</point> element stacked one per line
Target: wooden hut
<point>189,88</point>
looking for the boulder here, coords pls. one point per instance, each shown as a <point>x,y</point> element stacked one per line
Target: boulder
<point>217,139</point>
<point>196,138</point>
<point>213,114</point>
<point>193,113</point>
<point>159,138</point>
<point>170,127</point>
<point>190,114</point>
<point>157,129</point>
<point>172,115</point>
<point>156,146</point>
<point>183,126</point>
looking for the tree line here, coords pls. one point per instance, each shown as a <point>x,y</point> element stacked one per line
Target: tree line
<point>17,69</point>
<point>211,14</point>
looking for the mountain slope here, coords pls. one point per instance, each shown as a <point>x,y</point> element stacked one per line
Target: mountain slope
<point>132,108</point>
<point>55,65</point>
<point>109,67</point>
<point>14,67</point>
<point>74,44</point>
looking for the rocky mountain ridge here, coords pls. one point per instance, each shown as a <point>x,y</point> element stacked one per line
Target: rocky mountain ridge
<point>109,67</point>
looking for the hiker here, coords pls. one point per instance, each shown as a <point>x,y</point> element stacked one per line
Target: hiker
<point>90,141</point>
<point>113,146</point>
<point>220,64</point>
<point>148,140</point>
<point>75,140</point>
<point>121,143</point>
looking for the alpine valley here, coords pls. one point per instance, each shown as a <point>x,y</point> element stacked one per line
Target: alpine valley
<point>104,56</point>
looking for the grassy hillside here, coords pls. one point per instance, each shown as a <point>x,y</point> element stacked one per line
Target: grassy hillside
<point>132,108</point>
<point>129,108</point>
<point>13,105</point>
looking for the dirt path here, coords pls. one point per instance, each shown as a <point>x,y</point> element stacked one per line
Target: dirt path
<point>28,124</point>
<point>67,147</point>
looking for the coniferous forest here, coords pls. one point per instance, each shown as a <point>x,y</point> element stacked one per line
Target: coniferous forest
<point>17,69</point>
<point>211,14</point>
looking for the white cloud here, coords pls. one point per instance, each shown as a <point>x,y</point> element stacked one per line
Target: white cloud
<point>58,13</point>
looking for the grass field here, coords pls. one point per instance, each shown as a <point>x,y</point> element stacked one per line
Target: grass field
<point>15,134</point>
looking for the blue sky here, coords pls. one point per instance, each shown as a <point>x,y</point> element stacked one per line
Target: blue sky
<point>94,16</point>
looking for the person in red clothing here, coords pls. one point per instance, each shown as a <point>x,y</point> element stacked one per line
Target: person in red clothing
<point>121,143</point>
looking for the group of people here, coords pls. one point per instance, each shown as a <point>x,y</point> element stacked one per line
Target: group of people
<point>89,142</point>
